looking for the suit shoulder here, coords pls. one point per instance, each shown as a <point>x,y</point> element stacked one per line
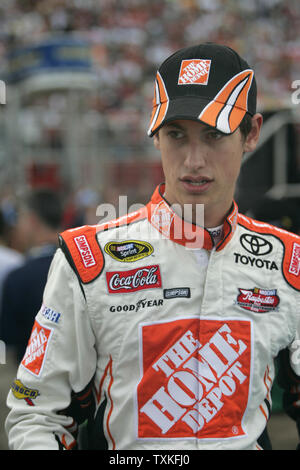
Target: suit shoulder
<point>83,252</point>
<point>125,220</point>
<point>290,242</point>
<point>82,249</point>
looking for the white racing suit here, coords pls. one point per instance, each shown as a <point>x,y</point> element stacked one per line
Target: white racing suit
<point>160,340</point>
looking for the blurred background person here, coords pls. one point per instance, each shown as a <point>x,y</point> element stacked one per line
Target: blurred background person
<point>284,213</point>
<point>39,223</point>
<point>9,257</point>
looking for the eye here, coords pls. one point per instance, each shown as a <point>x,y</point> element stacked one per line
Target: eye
<point>214,135</point>
<point>176,134</point>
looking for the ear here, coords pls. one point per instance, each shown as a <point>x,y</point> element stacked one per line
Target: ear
<point>156,141</point>
<point>253,136</point>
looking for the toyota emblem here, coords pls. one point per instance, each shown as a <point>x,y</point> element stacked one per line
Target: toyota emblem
<point>256,245</point>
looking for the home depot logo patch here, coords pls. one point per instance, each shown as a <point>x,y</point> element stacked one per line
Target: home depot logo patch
<point>198,385</point>
<point>162,218</point>
<point>194,72</point>
<point>36,350</point>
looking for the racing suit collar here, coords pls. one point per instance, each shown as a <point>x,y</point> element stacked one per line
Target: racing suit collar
<point>172,226</point>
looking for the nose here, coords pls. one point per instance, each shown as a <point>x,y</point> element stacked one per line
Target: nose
<point>195,157</point>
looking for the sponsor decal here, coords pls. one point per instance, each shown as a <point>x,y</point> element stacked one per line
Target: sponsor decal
<point>36,350</point>
<point>255,262</point>
<point>256,245</point>
<point>21,392</point>
<point>50,314</point>
<point>258,300</point>
<point>195,376</point>
<point>294,267</point>
<point>128,251</point>
<point>177,292</point>
<point>85,251</point>
<point>162,218</point>
<point>144,303</point>
<point>194,72</point>
<point>147,277</point>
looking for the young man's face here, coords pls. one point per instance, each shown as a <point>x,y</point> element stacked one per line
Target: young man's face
<point>201,165</point>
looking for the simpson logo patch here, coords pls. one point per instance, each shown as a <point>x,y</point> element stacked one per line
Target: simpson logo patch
<point>194,72</point>
<point>128,251</point>
<point>258,300</point>
<point>195,378</point>
<point>294,267</point>
<point>20,391</point>
<point>36,350</point>
<point>147,277</point>
<point>177,292</point>
<point>85,251</point>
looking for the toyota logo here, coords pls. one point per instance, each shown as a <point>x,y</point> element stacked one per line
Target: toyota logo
<point>255,245</point>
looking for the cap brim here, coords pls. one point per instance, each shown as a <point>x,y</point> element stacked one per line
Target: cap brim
<point>223,117</point>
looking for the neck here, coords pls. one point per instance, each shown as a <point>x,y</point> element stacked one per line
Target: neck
<point>200,214</point>
<point>172,224</point>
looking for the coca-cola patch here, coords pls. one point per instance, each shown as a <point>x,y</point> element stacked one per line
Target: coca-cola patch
<point>36,350</point>
<point>195,377</point>
<point>258,300</point>
<point>146,277</point>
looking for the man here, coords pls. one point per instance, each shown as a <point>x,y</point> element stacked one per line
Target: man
<point>167,328</point>
<point>9,258</point>
<point>38,226</point>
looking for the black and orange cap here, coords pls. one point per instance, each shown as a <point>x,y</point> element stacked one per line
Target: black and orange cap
<point>208,82</point>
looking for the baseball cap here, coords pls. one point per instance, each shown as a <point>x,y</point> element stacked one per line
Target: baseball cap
<point>208,82</point>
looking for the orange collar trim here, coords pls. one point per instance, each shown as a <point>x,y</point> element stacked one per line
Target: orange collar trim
<point>172,226</point>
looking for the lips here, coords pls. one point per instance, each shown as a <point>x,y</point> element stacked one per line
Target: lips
<point>197,184</point>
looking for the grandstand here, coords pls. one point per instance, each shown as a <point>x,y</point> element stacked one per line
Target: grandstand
<point>79,81</point>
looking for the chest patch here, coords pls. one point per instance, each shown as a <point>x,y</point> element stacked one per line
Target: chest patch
<point>195,378</point>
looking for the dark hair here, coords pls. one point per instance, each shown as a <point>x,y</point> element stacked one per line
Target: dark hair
<point>46,204</point>
<point>246,125</point>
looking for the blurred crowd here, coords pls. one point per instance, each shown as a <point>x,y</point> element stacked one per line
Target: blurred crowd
<point>130,38</point>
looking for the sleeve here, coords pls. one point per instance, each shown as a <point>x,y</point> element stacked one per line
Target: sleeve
<point>288,378</point>
<point>58,365</point>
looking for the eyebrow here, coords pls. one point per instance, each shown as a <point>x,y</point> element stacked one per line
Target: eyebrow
<point>206,127</point>
<point>177,126</point>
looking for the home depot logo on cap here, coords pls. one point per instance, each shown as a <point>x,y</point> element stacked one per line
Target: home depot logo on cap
<point>229,92</point>
<point>194,72</point>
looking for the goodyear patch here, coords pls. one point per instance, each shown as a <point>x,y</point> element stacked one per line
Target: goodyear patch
<point>20,391</point>
<point>128,251</point>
